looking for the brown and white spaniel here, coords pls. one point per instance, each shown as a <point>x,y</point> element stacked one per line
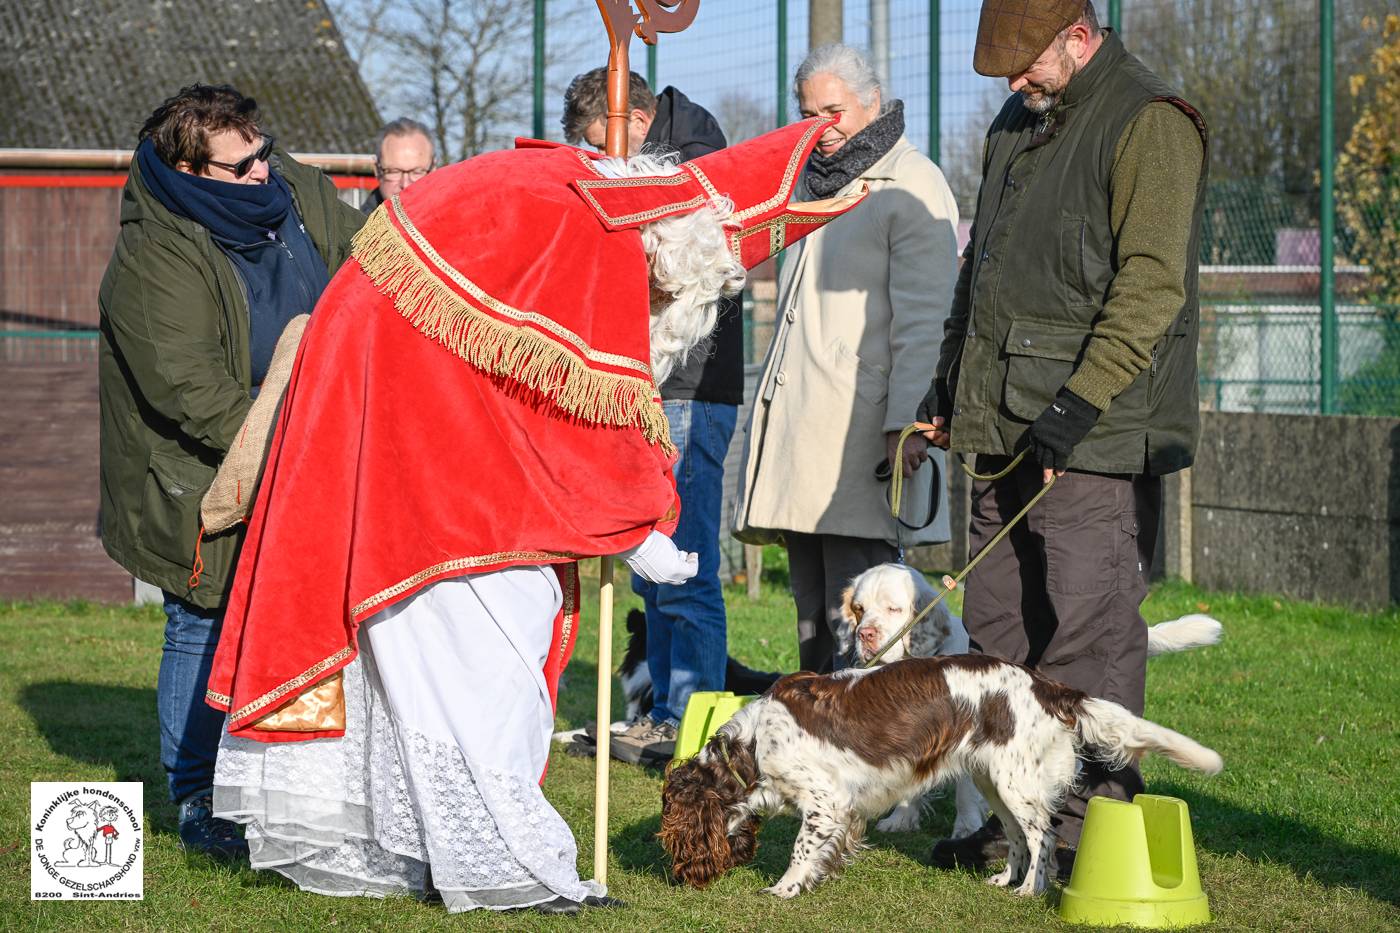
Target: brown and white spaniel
<point>881,600</point>
<point>842,748</point>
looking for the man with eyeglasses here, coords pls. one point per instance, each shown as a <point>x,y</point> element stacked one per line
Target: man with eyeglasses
<point>403,153</point>
<point>224,239</point>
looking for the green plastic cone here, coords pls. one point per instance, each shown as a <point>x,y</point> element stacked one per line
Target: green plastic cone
<point>705,712</point>
<point>1136,865</point>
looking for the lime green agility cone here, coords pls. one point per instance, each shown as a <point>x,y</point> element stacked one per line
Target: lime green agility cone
<point>1136,866</point>
<point>705,712</point>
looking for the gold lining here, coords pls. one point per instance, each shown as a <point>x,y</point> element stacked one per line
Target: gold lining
<point>460,563</point>
<point>319,708</point>
<point>218,698</point>
<point>570,608</point>
<point>499,347</point>
<point>296,683</point>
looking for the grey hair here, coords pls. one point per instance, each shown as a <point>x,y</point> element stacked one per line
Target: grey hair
<point>845,62</point>
<point>691,266</point>
<point>403,126</point>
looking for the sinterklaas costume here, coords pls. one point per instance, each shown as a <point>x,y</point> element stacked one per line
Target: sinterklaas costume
<point>471,411</point>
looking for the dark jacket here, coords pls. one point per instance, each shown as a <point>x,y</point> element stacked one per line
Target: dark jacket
<point>374,200</point>
<point>175,378</point>
<point>714,370</point>
<point>1054,292</point>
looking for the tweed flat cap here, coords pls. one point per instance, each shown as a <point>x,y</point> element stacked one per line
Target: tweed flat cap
<point>1012,33</point>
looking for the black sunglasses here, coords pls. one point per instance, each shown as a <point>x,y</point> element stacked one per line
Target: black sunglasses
<point>245,165</point>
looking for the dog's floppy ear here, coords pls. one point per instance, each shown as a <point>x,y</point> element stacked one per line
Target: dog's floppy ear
<point>846,631</point>
<point>695,822</point>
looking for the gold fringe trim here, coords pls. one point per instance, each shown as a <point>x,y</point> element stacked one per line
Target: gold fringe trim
<point>519,353</point>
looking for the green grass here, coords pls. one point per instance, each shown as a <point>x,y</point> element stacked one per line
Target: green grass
<point>1301,831</point>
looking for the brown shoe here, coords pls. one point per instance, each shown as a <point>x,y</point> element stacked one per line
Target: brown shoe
<point>645,742</point>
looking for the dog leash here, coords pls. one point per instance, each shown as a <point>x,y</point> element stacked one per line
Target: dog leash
<point>724,752</point>
<point>950,583</point>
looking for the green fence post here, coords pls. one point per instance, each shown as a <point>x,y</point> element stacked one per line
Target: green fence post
<point>1115,15</point>
<point>1327,279</point>
<point>935,60</point>
<point>537,124</point>
<point>651,67</point>
<point>782,63</point>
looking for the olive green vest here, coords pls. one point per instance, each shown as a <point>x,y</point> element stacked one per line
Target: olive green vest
<point>1043,257</point>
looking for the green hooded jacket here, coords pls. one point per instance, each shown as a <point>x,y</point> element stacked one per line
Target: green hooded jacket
<point>175,379</point>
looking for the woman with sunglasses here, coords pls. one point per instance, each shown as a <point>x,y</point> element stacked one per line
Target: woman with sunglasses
<point>223,240</point>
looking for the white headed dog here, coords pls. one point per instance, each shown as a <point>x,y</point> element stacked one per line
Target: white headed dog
<point>880,601</point>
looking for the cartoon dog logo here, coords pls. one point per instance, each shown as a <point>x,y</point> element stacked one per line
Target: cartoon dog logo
<point>84,823</point>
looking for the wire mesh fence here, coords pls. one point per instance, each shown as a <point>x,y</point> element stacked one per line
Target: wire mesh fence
<point>1251,66</point>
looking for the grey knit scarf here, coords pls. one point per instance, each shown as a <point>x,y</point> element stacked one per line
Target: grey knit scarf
<point>827,175</point>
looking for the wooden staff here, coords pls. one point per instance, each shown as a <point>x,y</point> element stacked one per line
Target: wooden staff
<point>657,16</point>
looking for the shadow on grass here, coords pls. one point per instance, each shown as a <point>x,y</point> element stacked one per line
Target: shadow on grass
<point>106,725</point>
<point>1225,828</point>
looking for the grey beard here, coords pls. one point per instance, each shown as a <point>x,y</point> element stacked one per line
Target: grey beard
<point>1045,104</point>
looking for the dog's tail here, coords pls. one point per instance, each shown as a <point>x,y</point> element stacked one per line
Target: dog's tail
<point>1193,631</point>
<point>1122,738</point>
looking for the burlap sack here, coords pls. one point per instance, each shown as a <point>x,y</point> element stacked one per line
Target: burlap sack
<point>235,487</point>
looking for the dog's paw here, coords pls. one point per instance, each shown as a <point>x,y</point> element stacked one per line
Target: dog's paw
<point>1001,879</point>
<point>900,820</point>
<point>1029,888</point>
<point>786,890</point>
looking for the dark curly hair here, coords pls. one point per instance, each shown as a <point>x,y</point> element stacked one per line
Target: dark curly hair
<point>180,127</point>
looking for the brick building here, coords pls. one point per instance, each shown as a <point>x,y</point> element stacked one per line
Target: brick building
<point>77,79</point>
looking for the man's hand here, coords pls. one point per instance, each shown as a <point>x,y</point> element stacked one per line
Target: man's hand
<point>657,560</point>
<point>915,450</point>
<point>1052,437</point>
<point>937,409</point>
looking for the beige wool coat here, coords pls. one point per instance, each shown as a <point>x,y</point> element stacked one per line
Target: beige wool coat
<point>860,312</point>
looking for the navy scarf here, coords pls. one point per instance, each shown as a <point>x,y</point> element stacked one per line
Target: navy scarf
<point>235,215</point>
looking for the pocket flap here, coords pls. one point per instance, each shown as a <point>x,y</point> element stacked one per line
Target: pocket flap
<point>180,476</point>
<point>1046,341</point>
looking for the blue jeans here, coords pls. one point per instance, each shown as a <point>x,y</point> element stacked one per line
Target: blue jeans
<point>686,640</point>
<point>189,728</point>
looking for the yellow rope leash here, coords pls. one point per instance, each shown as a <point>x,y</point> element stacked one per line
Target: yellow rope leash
<point>949,583</point>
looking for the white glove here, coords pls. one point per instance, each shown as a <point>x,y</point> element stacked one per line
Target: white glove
<point>657,560</point>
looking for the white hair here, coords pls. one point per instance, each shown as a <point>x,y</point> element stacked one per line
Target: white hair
<point>691,266</point>
<point>845,62</point>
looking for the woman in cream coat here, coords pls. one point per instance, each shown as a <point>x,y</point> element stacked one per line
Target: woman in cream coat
<point>861,305</point>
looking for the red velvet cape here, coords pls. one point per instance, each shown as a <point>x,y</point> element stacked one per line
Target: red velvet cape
<point>473,392</point>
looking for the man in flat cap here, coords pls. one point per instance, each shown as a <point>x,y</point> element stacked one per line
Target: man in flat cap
<point>1072,337</point>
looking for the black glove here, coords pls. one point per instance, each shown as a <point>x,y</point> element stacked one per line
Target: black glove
<point>1053,435</point>
<point>937,403</point>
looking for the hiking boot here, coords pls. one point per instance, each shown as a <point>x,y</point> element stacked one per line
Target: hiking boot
<point>645,742</point>
<point>204,833</point>
<point>975,852</point>
<point>604,902</point>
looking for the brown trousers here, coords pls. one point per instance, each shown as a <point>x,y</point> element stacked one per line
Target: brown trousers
<point>820,567</point>
<point>1062,593</point>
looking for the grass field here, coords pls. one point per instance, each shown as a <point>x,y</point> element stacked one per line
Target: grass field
<point>1301,831</point>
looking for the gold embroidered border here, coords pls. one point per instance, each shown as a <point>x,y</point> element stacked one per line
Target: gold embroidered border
<point>458,564</point>
<point>789,176</point>
<point>522,354</point>
<point>586,186</point>
<point>296,683</point>
<point>704,181</point>
<point>500,307</point>
<point>219,698</point>
<point>570,608</point>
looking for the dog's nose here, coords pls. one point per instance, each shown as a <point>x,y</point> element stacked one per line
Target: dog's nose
<point>869,637</point>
